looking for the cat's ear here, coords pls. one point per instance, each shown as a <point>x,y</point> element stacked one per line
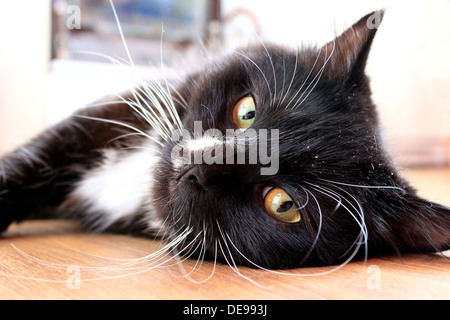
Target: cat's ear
<point>347,54</point>
<point>418,225</point>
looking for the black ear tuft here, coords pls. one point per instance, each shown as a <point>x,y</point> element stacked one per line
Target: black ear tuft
<point>348,52</point>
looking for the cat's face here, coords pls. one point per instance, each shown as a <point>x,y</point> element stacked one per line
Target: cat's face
<point>330,178</point>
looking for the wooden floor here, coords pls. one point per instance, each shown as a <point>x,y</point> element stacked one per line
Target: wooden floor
<point>54,260</point>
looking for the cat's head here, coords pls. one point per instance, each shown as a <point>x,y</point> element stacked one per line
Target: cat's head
<point>322,191</point>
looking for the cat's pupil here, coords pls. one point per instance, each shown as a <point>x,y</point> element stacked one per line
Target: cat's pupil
<point>249,115</point>
<point>285,206</point>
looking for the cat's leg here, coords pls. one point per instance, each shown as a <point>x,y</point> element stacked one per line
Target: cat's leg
<point>39,175</point>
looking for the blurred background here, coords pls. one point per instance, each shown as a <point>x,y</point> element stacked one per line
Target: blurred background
<point>56,55</point>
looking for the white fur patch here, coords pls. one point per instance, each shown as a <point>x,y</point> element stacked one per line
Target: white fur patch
<point>203,143</point>
<point>193,145</point>
<point>118,188</point>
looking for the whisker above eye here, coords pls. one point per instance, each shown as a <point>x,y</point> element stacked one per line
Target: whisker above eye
<point>294,73</point>
<point>303,83</point>
<point>364,186</point>
<point>317,77</point>
<point>271,63</point>
<point>260,70</point>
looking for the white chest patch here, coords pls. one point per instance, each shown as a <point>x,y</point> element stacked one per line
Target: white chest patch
<point>118,187</point>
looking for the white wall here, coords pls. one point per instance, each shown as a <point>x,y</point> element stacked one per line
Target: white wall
<point>289,22</point>
<point>24,56</point>
<point>410,71</point>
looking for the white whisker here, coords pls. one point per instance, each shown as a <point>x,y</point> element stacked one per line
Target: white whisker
<point>234,266</point>
<point>319,228</point>
<point>128,263</point>
<point>123,125</point>
<point>365,186</point>
<point>172,110</point>
<point>318,76</point>
<point>292,273</point>
<point>119,62</point>
<point>121,33</point>
<point>292,79</point>
<point>303,83</point>
<point>260,70</point>
<point>271,62</point>
<point>334,195</point>
<point>306,202</point>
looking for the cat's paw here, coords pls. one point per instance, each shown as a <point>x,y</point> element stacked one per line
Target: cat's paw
<point>9,201</point>
<point>5,220</point>
<point>5,216</point>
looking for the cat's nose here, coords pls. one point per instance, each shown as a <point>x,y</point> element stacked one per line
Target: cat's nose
<point>202,175</point>
<point>193,174</point>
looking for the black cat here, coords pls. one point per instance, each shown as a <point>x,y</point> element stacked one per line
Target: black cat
<point>151,164</point>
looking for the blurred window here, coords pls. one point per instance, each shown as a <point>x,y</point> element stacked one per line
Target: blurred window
<point>87,29</point>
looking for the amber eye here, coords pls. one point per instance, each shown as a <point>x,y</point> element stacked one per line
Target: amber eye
<point>244,112</point>
<point>281,206</point>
